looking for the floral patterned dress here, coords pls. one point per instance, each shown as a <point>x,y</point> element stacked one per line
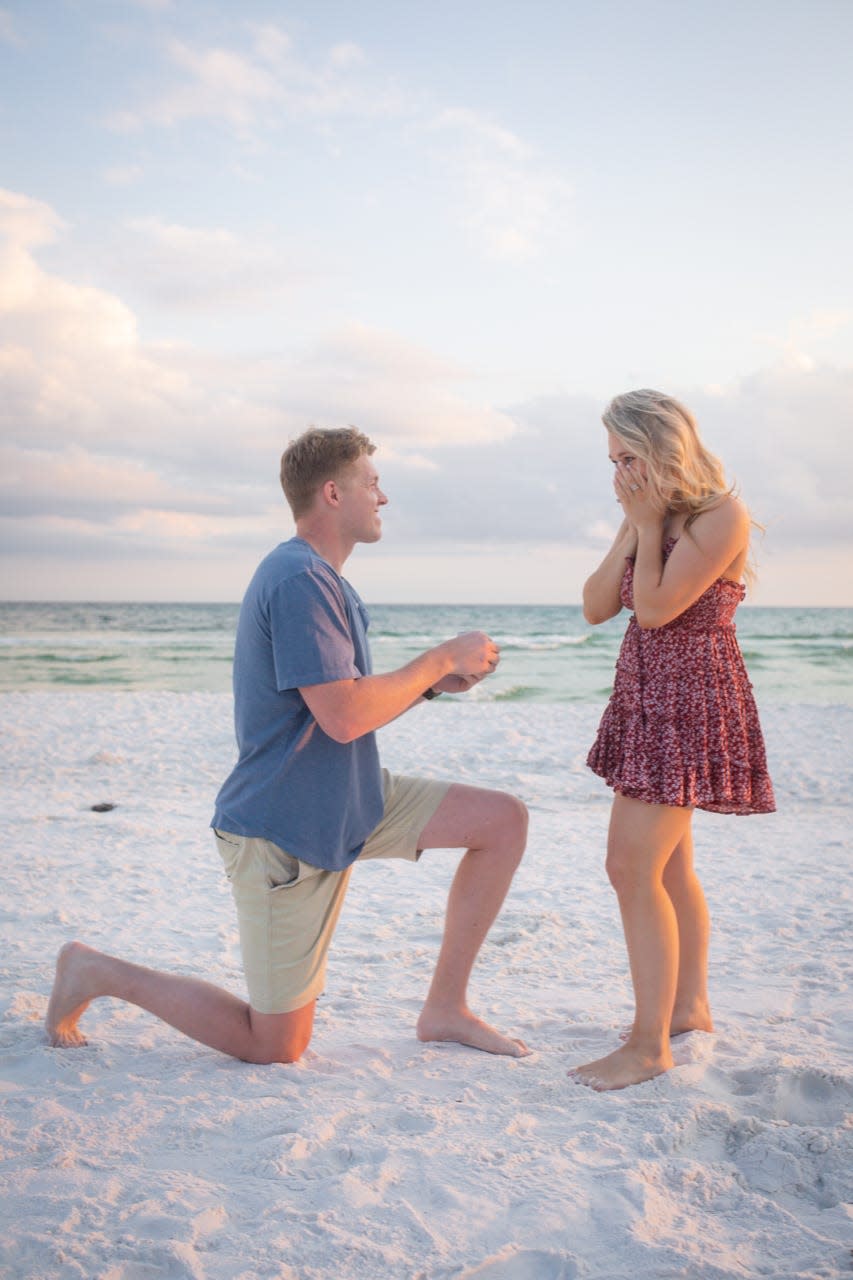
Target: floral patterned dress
<point>681,727</point>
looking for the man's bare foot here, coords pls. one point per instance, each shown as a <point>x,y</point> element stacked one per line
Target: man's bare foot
<point>70,996</point>
<point>622,1068</point>
<point>463,1027</point>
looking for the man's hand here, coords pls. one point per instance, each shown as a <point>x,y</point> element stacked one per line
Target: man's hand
<point>456,684</point>
<point>472,655</point>
<point>346,709</point>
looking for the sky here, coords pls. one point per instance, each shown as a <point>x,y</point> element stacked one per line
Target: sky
<point>461,227</point>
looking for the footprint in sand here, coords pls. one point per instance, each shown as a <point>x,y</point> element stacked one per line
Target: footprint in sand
<point>414,1122</point>
<point>746,1083</point>
<point>812,1097</point>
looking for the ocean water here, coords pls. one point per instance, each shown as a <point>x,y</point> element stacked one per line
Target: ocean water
<point>548,653</point>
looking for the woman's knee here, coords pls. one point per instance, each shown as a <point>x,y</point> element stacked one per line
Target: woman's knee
<point>676,879</point>
<point>615,868</point>
<point>627,873</point>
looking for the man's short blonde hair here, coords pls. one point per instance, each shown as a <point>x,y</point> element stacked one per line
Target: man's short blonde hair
<point>316,456</point>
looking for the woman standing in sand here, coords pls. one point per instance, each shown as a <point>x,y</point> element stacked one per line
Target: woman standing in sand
<point>681,729</point>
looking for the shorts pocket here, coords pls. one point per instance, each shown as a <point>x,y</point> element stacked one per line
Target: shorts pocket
<point>281,869</point>
<point>230,847</point>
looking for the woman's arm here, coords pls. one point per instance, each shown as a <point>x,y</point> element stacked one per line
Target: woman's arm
<point>601,589</point>
<point>712,544</point>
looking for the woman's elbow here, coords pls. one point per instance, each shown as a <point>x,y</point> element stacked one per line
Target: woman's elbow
<point>595,612</point>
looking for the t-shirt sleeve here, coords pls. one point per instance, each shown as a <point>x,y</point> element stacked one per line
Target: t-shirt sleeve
<point>310,632</point>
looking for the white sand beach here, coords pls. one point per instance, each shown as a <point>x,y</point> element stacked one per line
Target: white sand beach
<point>145,1155</point>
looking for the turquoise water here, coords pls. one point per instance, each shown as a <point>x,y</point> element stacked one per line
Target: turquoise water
<point>549,654</point>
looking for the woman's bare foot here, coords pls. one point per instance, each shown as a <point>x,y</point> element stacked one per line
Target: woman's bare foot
<point>70,996</point>
<point>697,1018</point>
<point>622,1068</point>
<point>463,1027</point>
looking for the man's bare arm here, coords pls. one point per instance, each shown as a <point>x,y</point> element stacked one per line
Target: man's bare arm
<point>347,709</point>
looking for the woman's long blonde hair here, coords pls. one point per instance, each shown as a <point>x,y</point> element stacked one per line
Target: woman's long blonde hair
<point>682,475</point>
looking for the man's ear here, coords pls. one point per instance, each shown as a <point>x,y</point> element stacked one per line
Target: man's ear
<point>331,493</point>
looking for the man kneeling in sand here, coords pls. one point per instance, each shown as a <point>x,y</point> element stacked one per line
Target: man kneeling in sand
<point>307,797</point>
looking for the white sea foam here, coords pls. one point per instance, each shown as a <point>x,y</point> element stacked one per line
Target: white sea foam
<point>147,1155</point>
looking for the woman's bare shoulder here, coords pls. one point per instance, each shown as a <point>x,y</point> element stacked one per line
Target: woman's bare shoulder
<point>729,516</point>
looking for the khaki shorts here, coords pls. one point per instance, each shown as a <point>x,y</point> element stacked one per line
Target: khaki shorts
<point>287,910</point>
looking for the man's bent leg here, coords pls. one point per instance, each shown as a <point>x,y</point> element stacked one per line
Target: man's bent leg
<point>200,1010</point>
<point>492,827</point>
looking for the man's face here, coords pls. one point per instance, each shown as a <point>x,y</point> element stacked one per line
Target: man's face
<point>361,499</point>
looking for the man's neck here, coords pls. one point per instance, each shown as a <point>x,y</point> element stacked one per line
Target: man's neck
<point>325,542</point>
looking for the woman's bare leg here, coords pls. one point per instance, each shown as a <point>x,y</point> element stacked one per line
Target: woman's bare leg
<point>200,1010</point>
<point>691,1010</point>
<point>640,844</point>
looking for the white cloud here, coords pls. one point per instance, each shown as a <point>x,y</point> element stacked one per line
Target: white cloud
<point>346,55</point>
<point>485,132</point>
<point>9,32</point>
<point>825,321</point>
<point>26,223</point>
<point>399,391</point>
<point>513,201</point>
<point>217,85</point>
<point>205,266</point>
<point>784,433</point>
<point>602,531</point>
<point>123,175</point>
<point>407,461</point>
<point>251,88</point>
<point>271,43</point>
<point>807,337</point>
<point>117,448</point>
<point>73,366</point>
<point>76,483</point>
<point>104,431</point>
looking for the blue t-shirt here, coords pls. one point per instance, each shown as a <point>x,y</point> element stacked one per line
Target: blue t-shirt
<point>300,624</point>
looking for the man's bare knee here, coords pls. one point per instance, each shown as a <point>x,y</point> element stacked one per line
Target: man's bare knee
<point>503,835</point>
<point>476,818</point>
<point>284,1054</point>
<point>514,820</point>
<point>281,1037</point>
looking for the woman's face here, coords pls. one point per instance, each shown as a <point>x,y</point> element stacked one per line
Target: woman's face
<point>623,459</point>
